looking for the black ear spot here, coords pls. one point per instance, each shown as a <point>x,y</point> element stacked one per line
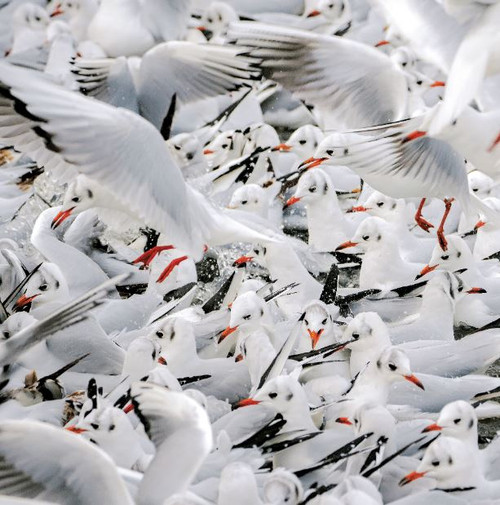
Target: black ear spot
<point>346,151</point>
<point>90,193</point>
<point>471,423</point>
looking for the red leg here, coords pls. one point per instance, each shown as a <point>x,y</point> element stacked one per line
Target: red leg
<point>147,257</point>
<point>170,268</point>
<point>423,223</point>
<point>440,231</point>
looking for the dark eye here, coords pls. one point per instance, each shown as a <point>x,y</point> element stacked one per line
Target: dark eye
<point>312,189</point>
<point>43,287</point>
<point>210,20</point>
<point>95,426</point>
<point>419,83</point>
<point>112,427</point>
<point>224,146</point>
<point>380,204</point>
<point>302,142</point>
<point>159,334</point>
<point>244,202</point>
<point>356,421</point>
<point>247,317</point>
<point>273,395</point>
<point>435,463</point>
<point>178,148</point>
<point>366,237</point>
<point>459,254</point>
<point>38,18</point>
<point>475,190</point>
<point>404,63</point>
<point>75,199</point>
<point>445,257</point>
<point>189,156</point>
<point>6,334</point>
<point>456,421</point>
<point>355,336</point>
<point>324,321</point>
<point>392,367</point>
<point>329,152</point>
<point>220,17</point>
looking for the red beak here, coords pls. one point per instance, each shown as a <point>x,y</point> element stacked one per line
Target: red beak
<point>247,401</point>
<point>61,217</point>
<point>476,291</point>
<point>411,477</point>
<point>426,270</point>
<point>242,260</point>
<point>347,244</point>
<point>76,430</point>
<point>415,381</point>
<point>202,28</point>
<point>382,43</point>
<point>314,13</point>
<point>128,408</point>
<point>438,84</point>
<point>479,224</point>
<point>239,358</point>
<point>227,332</point>
<point>494,144</point>
<point>282,147</point>
<point>432,427</point>
<point>23,300</point>
<point>207,151</point>
<point>57,11</point>
<point>360,208</point>
<point>315,336</point>
<point>414,135</point>
<point>343,420</point>
<point>292,201</point>
<point>162,360</point>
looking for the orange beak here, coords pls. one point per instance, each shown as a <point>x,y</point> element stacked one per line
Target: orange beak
<point>61,217</point>
<point>415,381</point>
<point>476,291</point>
<point>343,420</point>
<point>76,430</point>
<point>162,360</point>
<point>57,11</point>
<point>246,402</point>
<point>426,270</point>
<point>23,300</point>
<point>382,43</point>
<point>315,335</point>
<point>314,13</point>
<point>347,244</point>
<point>313,162</point>
<point>414,135</point>
<point>239,358</point>
<point>411,477</point>
<point>207,151</point>
<point>438,84</point>
<point>242,260</point>
<point>479,224</point>
<point>282,147</point>
<point>432,427</point>
<point>360,208</point>
<point>292,201</point>
<point>202,28</point>
<point>227,332</point>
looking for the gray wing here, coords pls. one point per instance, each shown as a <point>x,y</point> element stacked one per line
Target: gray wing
<point>356,83</point>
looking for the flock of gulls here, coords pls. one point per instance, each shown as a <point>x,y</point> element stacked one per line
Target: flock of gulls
<point>249,252</point>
